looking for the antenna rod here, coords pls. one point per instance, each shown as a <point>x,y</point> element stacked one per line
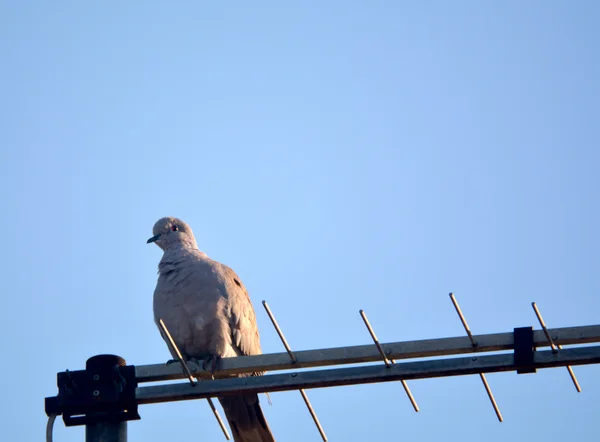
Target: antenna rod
<point>385,359</point>
<point>311,410</point>
<point>488,390</point>
<point>554,347</point>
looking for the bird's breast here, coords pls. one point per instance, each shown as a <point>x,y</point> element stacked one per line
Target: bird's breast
<point>191,310</point>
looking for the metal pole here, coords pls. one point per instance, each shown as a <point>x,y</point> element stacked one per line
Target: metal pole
<point>104,427</point>
<point>106,431</point>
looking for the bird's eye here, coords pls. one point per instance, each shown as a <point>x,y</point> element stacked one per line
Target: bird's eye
<point>174,228</point>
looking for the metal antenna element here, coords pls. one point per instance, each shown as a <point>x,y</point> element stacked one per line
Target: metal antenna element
<point>186,369</point>
<point>463,320</point>
<point>279,332</point>
<point>555,347</point>
<point>375,340</point>
<point>293,358</point>
<point>175,350</point>
<point>388,362</point>
<point>474,343</point>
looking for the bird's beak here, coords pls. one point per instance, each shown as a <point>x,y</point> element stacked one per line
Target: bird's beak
<point>153,239</point>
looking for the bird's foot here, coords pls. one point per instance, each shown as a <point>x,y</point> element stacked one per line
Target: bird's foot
<point>214,361</point>
<point>210,363</point>
<point>188,360</point>
<point>195,362</point>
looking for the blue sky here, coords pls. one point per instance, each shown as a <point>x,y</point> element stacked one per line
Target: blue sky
<point>337,155</point>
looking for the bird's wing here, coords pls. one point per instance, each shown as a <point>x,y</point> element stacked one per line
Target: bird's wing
<point>244,413</point>
<point>242,319</point>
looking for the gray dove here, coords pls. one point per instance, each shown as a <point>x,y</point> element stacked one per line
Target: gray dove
<point>207,310</point>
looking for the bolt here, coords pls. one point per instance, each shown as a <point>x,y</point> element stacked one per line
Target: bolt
<point>96,393</point>
<point>474,359</point>
<point>294,375</point>
<point>96,377</point>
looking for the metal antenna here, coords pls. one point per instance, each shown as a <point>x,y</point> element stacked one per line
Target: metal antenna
<point>186,369</point>
<point>294,359</point>
<point>555,347</point>
<point>474,344</point>
<point>118,389</point>
<point>387,362</point>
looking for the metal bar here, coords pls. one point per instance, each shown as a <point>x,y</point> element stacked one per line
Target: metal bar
<point>175,349</point>
<point>362,375</point>
<point>184,365</point>
<point>474,343</point>
<point>543,324</point>
<point>488,390</point>
<point>368,353</point>
<point>573,378</point>
<point>279,332</point>
<point>293,358</point>
<point>463,320</point>
<point>558,346</point>
<point>313,414</point>
<point>218,417</point>
<point>374,337</point>
<point>385,359</point>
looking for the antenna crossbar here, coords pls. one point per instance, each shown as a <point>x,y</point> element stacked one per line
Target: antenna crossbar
<point>369,353</point>
<point>363,375</point>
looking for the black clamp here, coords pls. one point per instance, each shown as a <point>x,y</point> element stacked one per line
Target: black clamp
<point>524,350</point>
<point>104,391</point>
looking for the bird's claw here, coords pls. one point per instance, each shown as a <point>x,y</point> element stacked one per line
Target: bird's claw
<point>196,362</point>
<point>193,360</point>
<point>211,363</point>
<point>215,363</point>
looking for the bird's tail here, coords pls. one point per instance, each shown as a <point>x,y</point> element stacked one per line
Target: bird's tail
<point>246,419</point>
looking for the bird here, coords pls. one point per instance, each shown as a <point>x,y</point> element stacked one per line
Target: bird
<point>208,312</point>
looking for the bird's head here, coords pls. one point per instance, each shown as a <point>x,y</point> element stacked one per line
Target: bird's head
<point>172,232</point>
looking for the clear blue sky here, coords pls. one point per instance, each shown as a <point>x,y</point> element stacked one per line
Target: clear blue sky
<point>338,155</point>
